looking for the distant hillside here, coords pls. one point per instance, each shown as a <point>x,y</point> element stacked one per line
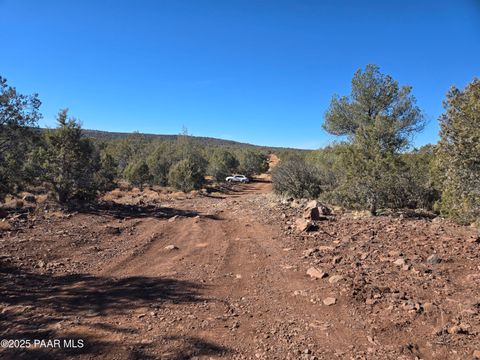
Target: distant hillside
<point>107,135</point>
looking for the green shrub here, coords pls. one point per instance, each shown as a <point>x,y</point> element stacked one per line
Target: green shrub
<point>296,178</point>
<point>252,163</point>
<point>107,174</point>
<point>186,175</point>
<point>221,164</point>
<point>420,183</point>
<point>160,161</point>
<point>137,172</point>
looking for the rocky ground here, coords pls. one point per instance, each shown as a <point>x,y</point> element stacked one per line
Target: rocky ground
<point>230,276</point>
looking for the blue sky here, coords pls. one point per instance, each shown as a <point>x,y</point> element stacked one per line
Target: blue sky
<point>260,71</point>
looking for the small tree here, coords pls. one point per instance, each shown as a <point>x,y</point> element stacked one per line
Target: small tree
<point>459,154</point>
<point>107,174</point>
<point>186,175</point>
<point>252,163</point>
<point>18,113</point>
<point>378,119</point>
<point>69,161</point>
<point>221,164</point>
<point>138,173</point>
<point>160,161</point>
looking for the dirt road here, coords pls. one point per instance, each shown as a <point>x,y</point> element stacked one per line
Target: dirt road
<point>223,277</point>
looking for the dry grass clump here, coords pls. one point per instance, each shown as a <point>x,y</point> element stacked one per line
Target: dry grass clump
<point>5,225</point>
<point>13,203</point>
<point>123,185</point>
<point>115,194</point>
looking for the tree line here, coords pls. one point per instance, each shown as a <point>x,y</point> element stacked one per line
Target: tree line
<point>373,165</point>
<point>77,168</point>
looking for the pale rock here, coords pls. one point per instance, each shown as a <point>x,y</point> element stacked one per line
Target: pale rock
<point>316,273</point>
<point>329,301</point>
<point>433,259</point>
<point>335,278</point>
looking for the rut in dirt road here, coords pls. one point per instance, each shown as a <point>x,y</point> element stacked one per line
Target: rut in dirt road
<point>245,272</point>
<point>217,284</point>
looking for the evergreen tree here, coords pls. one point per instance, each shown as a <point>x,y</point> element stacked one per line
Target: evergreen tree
<point>69,161</point>
<point>107,174</point>
<point>378,118</point>
<point>221,164</point>
<point>186,175</point>
<point>459,154</point>
<point>160,161</point>
<point>18,114</point>
<point>138,173</point>
<point>252,163</point>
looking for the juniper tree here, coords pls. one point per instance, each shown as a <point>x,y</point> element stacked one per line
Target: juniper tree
<point>160,161</point>
<point>459,154</point>
<point>252,162</point>
<point>69,161</point>
<point>221,164</point>
<point>18,114</point>
<point>106,176</point>
<point>186,175</point>
<point>138,173</point>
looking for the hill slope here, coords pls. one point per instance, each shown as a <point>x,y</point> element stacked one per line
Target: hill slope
<point>107,135</point>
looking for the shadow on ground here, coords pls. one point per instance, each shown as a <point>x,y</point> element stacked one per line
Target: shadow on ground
<point>45,306</point>
<point>121,211</point>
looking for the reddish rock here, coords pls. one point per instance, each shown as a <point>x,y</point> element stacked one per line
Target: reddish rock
<point>304,225</point>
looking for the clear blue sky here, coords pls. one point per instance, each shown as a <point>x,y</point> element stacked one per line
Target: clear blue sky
<point>256,71</point>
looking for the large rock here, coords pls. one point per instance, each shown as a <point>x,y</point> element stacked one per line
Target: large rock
<point>315,211</point>
<point>304,225</point>
<point>311,211</point>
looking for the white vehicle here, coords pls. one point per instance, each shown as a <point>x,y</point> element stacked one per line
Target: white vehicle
<point>237,178</point>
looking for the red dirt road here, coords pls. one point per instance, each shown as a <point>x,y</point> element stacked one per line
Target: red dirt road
<point>225,278</point>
